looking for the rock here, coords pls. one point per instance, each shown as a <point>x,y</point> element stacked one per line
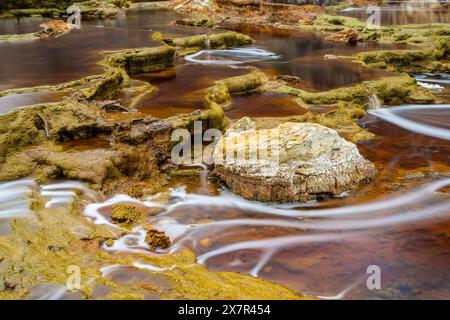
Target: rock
<point>366,3</point>
<point>111,106</point>
<point>157,239</point>
<point>126,213</point>
<point>312,161</point>
<point>348,36</point>
<point>293,80</point>
<point>55,28</point>
<point>98,9</point>
<point>201,20</point>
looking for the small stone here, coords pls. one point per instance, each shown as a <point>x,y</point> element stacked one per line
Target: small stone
<point>55,248</point>
<point>9,284</point>
<point>157,239</point>
<point>289,79</point>
<point>111,106</point>
<point>109,242</point>
<point>126,213</point>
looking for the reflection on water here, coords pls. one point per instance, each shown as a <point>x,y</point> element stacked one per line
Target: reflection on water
<point>75,55</point>
<point>180,90</point>
<point>399,222</point>
<point>8,103</point>
<point>227,231</point>
<point>21,26</point>
<point>150,20</point>
<point>398,15</point>
<point>67,58</point>
<point>429,120</point>
<point>263,105</point>
<point>302,55</point>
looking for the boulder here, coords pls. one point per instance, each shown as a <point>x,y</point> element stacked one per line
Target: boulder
<point>348,36</point>
<point>290,162</point>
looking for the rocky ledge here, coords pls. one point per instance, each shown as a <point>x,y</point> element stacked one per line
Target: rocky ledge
<point>308,161</point>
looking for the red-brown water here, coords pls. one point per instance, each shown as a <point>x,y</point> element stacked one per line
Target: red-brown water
<point>181,89</point>
<point>413,254</point>
<point>270,105</point>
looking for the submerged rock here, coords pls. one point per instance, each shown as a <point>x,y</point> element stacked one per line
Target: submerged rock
<point>302,161</point>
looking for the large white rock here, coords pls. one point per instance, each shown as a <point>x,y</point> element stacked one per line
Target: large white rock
<point>291,162</point>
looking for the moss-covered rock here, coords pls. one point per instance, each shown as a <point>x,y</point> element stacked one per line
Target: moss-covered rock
<point>142,60</point>
<point>350,104</point>
<point>432,59</point>
<point>201,20</point>
<point>126,214</point>
<point>222,90</point>
<point>196,43</point>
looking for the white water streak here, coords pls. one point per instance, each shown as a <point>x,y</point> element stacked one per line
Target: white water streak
<point>237,55</point>
<point>231,201</point>
<point>390,115</point>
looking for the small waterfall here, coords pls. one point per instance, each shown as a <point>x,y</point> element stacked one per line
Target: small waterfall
<point>207,44</point>
<point>374,102</point>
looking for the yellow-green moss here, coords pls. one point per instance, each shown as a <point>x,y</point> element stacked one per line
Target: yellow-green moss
<point>350,104</point>
<point>41,247</point>
<point>126,213</point>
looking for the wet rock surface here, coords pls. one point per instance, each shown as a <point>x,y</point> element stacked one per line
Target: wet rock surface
<point>311,161</point>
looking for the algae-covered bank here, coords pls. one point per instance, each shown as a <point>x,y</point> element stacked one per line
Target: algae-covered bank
<point>223,150</point>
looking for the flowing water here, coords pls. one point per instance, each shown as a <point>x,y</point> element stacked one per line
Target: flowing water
<point>400,222</point>
<point>402,14</point>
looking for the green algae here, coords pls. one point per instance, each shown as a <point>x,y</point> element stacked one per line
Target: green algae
<point>120,64</point>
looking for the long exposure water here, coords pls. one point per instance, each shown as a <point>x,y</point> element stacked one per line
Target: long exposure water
<point>400,222</point>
